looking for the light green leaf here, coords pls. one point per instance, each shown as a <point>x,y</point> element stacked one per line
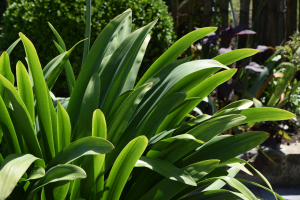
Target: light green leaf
<point>214,126</point>
<point>8,130</point>
<point>166,169</point>
<point>54,68</point>
<point>89,105</point>
<point>41,95</point>
<point>11,170</point>
<point>288,74</point>
<point>117,69</point>
<point>23,118</point>
<point>240,187</point>
<point>25,89</point>
<point>5,70</point>
<point>56,174</point>
<point>81,147</point>
<point>11,47</point>
<point>123,166</point>
<point>92,63</point>
<point>166,189</point>
<point>216,195</point>
<point>131,79</point>
<point>63,127</point>
<point>240,105</point>
<point>174,51</point>
<point>236,55</point>
<point>225,147</point>
<point>125,112</point>
<point>59,39</point>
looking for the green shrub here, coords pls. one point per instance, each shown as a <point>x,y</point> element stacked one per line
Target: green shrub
<point>68,17</point>
<point>124,140</point>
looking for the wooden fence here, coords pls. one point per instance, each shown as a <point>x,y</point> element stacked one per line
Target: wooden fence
<point>276,21</point>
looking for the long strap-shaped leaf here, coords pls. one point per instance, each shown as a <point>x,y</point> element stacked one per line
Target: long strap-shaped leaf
<point>79,148</point>
<point>166,169</point>
<point>117,125</point>
<point>12,46</point>
<point>215,195</point>
<point>201,90</point>
<point>284,81</point>
<point>236,55</point>
<point>10,135</point>
<point>63,127</point>
<point>115,73</point>
<point>225,147</point>
<point>166,189</point>
<point>131,79</point>
<point>25,89</point>
<point>11,170</point>
<point>258,114</point>
<point>174,51</point>
<point>93,165</point>
<point>123,166</point>
<point>41,95</point>
<point>87,34</point>
<point>55,68</point>
<point>5,70</point>
<point>56,174</point>
<point>89,105</point>
<point>23,118</point>
<point>92,62</point>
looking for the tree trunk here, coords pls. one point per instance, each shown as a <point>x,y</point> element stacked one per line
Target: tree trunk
<point>244,19</point>
<point>280,9</point>
<point>207,15</point>
<point>291,18</point>
<point>175,15</point>
<point>224,16</point>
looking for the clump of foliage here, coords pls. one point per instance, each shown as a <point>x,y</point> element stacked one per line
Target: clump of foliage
<point>31,17</point>
<point>114,139</point>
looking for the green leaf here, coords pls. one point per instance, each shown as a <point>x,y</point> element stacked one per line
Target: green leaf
<point>41,95</point>
<point>166,189</point>
<point>11,47</point>
<point>199,89</point>
<point>89,105</point>
<point>256,184</point>
<point>54,68</point>
<point>123,166</point>
<point>288,74</point>
<point>258,114</point>
<point>233,56</point>
<point>81,147</point>
<point>225,147</point>
<point>92,63</point>
<point>25,89</point>
<point>117,69</point>
<point>240,105</point>
<point>8,129</point>
<point>174,51</point>
<point>94,164</point>
<point>5,70</point>
<point>216,195</point>
<point>37,172</point>
<point>11,170</point>
<point>23,118</point>
<point>125,112</point>
<point>63,127</point>
<point>240,187</point>
<point>56,174</point>
<point>60,40</point>
<point>214,126</point>
<point>166,169</point>
<point>87,34</point>
<point>131,79</point>
<point>68,70</point>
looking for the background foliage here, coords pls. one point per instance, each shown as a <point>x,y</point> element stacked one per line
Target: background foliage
<point>31,17</point>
